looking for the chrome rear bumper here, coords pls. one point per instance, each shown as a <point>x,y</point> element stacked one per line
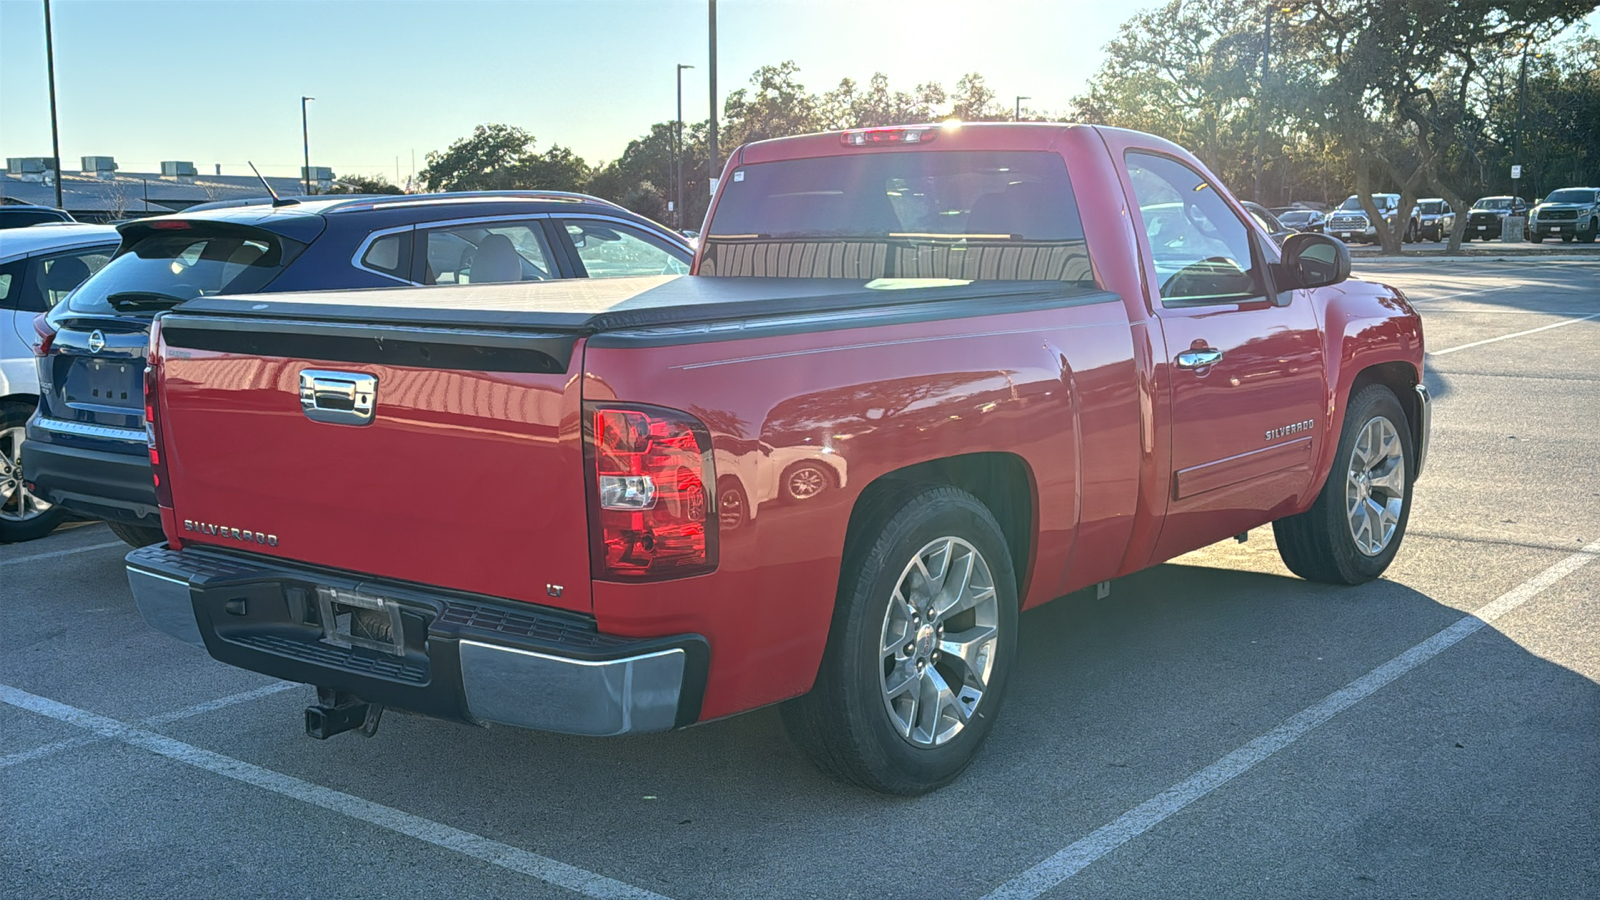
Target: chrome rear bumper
<point>468,658</point>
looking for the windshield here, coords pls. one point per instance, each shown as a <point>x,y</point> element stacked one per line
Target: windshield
<point>1011,216</point>
<point>1297,216</point>
<point>1493,203</point>
<point>1570,196</point>
<point>166,268</point>
<point>1429,207</point>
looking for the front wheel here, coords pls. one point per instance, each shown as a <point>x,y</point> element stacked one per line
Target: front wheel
<point>24,516</point>
<point>1353,530</point>
<point>923,639</point>
<point>1537,238</point>
<point>1588,236</point>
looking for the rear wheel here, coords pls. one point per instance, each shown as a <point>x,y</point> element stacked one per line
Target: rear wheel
<point>23,515</point>
<point>1352,532</point>
<point>136,535</point>
<point>920,649</point>
<point>805,480</point>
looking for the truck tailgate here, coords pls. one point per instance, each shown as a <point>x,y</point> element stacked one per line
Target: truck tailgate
<point>467,474</point>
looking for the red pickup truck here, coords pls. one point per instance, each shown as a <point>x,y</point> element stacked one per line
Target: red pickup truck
<point>923,378</point>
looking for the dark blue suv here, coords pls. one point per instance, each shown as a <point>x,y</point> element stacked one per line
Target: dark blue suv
<point>86,443</point>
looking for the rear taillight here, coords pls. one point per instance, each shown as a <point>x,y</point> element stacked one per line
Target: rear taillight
<point>152,418</point>
<point>44,335</point>
<point>650,496</point>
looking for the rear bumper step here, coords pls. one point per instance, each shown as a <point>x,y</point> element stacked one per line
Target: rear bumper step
<point>469,658</point>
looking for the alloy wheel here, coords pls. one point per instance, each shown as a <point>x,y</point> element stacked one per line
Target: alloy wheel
<point>17,503</point>
<point>1375,486</point>
<point>938,642</point>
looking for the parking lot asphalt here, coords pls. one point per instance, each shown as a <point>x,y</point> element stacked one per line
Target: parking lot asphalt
<point>1215,728</point>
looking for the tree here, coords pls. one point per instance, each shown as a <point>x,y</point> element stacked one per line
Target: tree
<point>779,106</point>
<point>502,157</point>
<point>973,101</point>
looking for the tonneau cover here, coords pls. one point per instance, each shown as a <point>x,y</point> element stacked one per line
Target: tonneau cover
<point>593,305</point>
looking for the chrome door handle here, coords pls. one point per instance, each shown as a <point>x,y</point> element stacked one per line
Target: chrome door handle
<point>1199,359</point>
<point>338,398</point>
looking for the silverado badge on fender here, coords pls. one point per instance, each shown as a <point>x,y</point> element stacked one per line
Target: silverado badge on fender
<point>1275,433</point>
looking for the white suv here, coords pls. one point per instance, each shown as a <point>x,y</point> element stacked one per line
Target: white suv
<point>38,267</point>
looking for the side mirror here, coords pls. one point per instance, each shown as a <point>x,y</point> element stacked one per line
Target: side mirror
<point>1312,261</point>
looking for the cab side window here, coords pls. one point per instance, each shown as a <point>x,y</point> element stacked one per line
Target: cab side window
<point>1201,249</point>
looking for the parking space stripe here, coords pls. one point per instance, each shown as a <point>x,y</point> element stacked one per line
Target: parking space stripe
<point>1080,855</point>
<point>54,553</point>
<point>505,856</point>
<point>162,719</point>
<point>1517,334</point>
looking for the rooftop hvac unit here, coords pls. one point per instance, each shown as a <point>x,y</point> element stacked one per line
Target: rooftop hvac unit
<point>100,166</point>
<point>172,168</point>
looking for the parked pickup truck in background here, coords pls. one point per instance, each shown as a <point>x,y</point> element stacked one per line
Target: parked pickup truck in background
<point>1014,360</point>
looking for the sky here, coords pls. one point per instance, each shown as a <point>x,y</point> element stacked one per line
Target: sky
<point>220,81</point>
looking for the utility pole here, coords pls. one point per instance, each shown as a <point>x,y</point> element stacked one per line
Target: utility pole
<point>1522,98</point>
<point>1261,98</point>
<point>305,136</point>
<point>55,131</point>
<point>677,145</point>
<point>1017,116</point>
<point>711,136</point>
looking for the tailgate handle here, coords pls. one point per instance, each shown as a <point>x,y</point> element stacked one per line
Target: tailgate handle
<point>338,398</point>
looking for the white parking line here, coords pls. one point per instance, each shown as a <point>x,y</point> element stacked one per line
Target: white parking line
<point>1079,855</point>
<point>1504,337</point>
<point>580,881</point>
<point>174,716</point>
<point>54,553</point>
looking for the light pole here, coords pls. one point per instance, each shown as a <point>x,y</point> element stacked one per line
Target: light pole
<point>305,136</point>
<point>677,145</point>
<point>1017,116</point>
<point>711,134</point>
<point>55,132</point>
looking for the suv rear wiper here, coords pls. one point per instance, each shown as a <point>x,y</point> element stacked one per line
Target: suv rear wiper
<point>132,301</point>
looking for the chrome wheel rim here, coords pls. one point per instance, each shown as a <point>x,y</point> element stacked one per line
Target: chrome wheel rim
<point>1375,488</point>
<point>806,482</point>
<point>937,645</point>
<point>17,503</point>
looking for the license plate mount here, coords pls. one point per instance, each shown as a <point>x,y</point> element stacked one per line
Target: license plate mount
<point>352,619</point>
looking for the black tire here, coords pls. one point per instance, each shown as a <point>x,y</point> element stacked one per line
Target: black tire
<point>843,725</point>
<point>136,535</point>
<point>1536,238</point>
<point>1588,236</point>
<point>1318,544</point>
<point>1566,239</point>
<point>13,417</point>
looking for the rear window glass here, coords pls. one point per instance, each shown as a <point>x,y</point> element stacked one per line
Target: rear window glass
<point>167,268</point>
<point>954,214</point>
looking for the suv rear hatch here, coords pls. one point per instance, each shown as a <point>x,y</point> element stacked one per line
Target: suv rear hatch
<point>451,458</point>
<point>92,381</point>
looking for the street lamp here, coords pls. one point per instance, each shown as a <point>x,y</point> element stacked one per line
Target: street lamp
<point>1017,116</point>
<point>711,132</point>
<point>55,132</point>
<point>677,146</point>
<point>305,136</point>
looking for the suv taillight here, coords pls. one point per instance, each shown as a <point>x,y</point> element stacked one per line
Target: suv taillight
<point>45,335</point>
<point>650,493</point>
<point>152,420</point>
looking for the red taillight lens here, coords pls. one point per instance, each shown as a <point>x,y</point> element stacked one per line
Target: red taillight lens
<point>866,137</point>
<point>170,224</point>
<point>651,494</point>
<point>152,418</point>
<point>45,335</point>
